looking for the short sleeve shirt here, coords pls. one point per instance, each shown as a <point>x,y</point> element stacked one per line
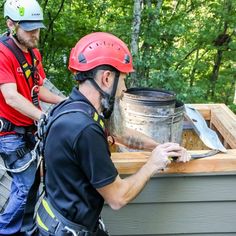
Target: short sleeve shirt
<point>78,162</point>
<point>11,72</point>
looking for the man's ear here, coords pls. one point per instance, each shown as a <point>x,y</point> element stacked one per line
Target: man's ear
<point>11,25</point>
<point>107,78</point>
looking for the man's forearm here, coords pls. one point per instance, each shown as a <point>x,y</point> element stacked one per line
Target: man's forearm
<point>24,106</point>
<point>137,181</point>
<point>122,191</point>
<point>136,140</point>
<point>47,96</point>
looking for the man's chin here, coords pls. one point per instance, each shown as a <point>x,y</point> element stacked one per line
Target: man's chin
<point>33,45</point>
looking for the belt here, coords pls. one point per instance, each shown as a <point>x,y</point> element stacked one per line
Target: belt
<point>7,126</point>
<point>51,222</point>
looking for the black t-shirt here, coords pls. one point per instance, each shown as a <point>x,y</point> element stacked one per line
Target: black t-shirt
<point>78,162</point>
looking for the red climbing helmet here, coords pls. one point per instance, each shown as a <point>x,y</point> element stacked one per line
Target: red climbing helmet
<point>100,48</point>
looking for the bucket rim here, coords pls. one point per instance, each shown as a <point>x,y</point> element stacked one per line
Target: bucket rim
<point>156,95</point>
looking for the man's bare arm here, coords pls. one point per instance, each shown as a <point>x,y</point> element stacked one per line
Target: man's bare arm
<point>19,102</point>
<point>136,140</point>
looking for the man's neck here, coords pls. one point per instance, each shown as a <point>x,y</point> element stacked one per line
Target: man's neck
<point>92,95</point>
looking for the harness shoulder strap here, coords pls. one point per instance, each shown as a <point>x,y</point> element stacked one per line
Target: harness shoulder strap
<point>27,69</point>
<point>63,108</point>
<point>10,44</point>
<point>71,107</point>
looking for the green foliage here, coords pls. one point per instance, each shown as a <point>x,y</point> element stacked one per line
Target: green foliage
<point>185,46</point>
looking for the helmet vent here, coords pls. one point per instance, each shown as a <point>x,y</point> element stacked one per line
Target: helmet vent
<point>127,59</point>
<point>82,58</point>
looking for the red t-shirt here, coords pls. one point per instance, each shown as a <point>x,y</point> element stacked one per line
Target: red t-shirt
<point>11,72</point>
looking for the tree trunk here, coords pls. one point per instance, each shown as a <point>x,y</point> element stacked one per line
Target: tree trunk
<point>135,33</point>
<point>51,23</point>
<point>215,72</point>
<point>136,26</point>
<point>235,96</point>
<point>194,69</point>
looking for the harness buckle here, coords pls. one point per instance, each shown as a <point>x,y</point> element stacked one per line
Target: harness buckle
<point>69,230</point>
<point>1,125</point>
<point>35,90</point>
<point>5,125</point>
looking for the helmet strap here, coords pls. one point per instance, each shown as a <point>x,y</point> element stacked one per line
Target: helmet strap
<point>108,100</point>
<point>108,109</point>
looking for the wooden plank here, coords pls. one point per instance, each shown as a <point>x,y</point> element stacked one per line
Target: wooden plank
<point>222,118</point>
<point>224,121</point>
<point>204,109</point>
<point>129,163</point>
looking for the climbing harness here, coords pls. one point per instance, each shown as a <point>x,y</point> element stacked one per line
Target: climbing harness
<point>28,70</point>
<point>52,222</point>
<point>6,125</point>
<point>48,219</point>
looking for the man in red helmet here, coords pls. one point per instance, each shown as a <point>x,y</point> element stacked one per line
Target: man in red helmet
<point>79,172</point>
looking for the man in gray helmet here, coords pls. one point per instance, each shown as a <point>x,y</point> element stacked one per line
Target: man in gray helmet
<point>21,90</point>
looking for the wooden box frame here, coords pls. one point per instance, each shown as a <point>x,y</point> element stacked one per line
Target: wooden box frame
<point>221,119</point>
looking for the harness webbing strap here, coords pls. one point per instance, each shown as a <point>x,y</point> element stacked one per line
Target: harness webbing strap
<point>47,208</point>
<point>75,106</point>
<point>50,220</point>
<point>27,69</point>
<point>7,126</point>
<point>40,222</point>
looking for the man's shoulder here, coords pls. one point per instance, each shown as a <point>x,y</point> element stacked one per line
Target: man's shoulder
<point>36,51</point>
<point>4,50</point>
<point>6,56</point>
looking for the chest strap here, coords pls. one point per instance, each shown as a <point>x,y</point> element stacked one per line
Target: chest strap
<point>28,70</point>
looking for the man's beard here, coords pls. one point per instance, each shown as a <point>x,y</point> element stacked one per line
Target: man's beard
<point>115,123</point>
<point>31,43</point>
<point>108,106</point>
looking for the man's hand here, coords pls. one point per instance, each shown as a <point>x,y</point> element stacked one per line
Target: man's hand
<point>185,156</point>
<point>160,156</point>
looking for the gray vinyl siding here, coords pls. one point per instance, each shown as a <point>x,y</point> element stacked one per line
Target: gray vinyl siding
<point>191,205</point>
<point>5,182</point>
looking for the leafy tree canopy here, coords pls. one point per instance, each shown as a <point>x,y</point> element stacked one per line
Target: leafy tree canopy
<point>184,46</point>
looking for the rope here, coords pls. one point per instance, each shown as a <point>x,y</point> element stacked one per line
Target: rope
<point>24,167</point>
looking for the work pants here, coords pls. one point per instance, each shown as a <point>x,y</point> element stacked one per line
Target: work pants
<point>18,214</point>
